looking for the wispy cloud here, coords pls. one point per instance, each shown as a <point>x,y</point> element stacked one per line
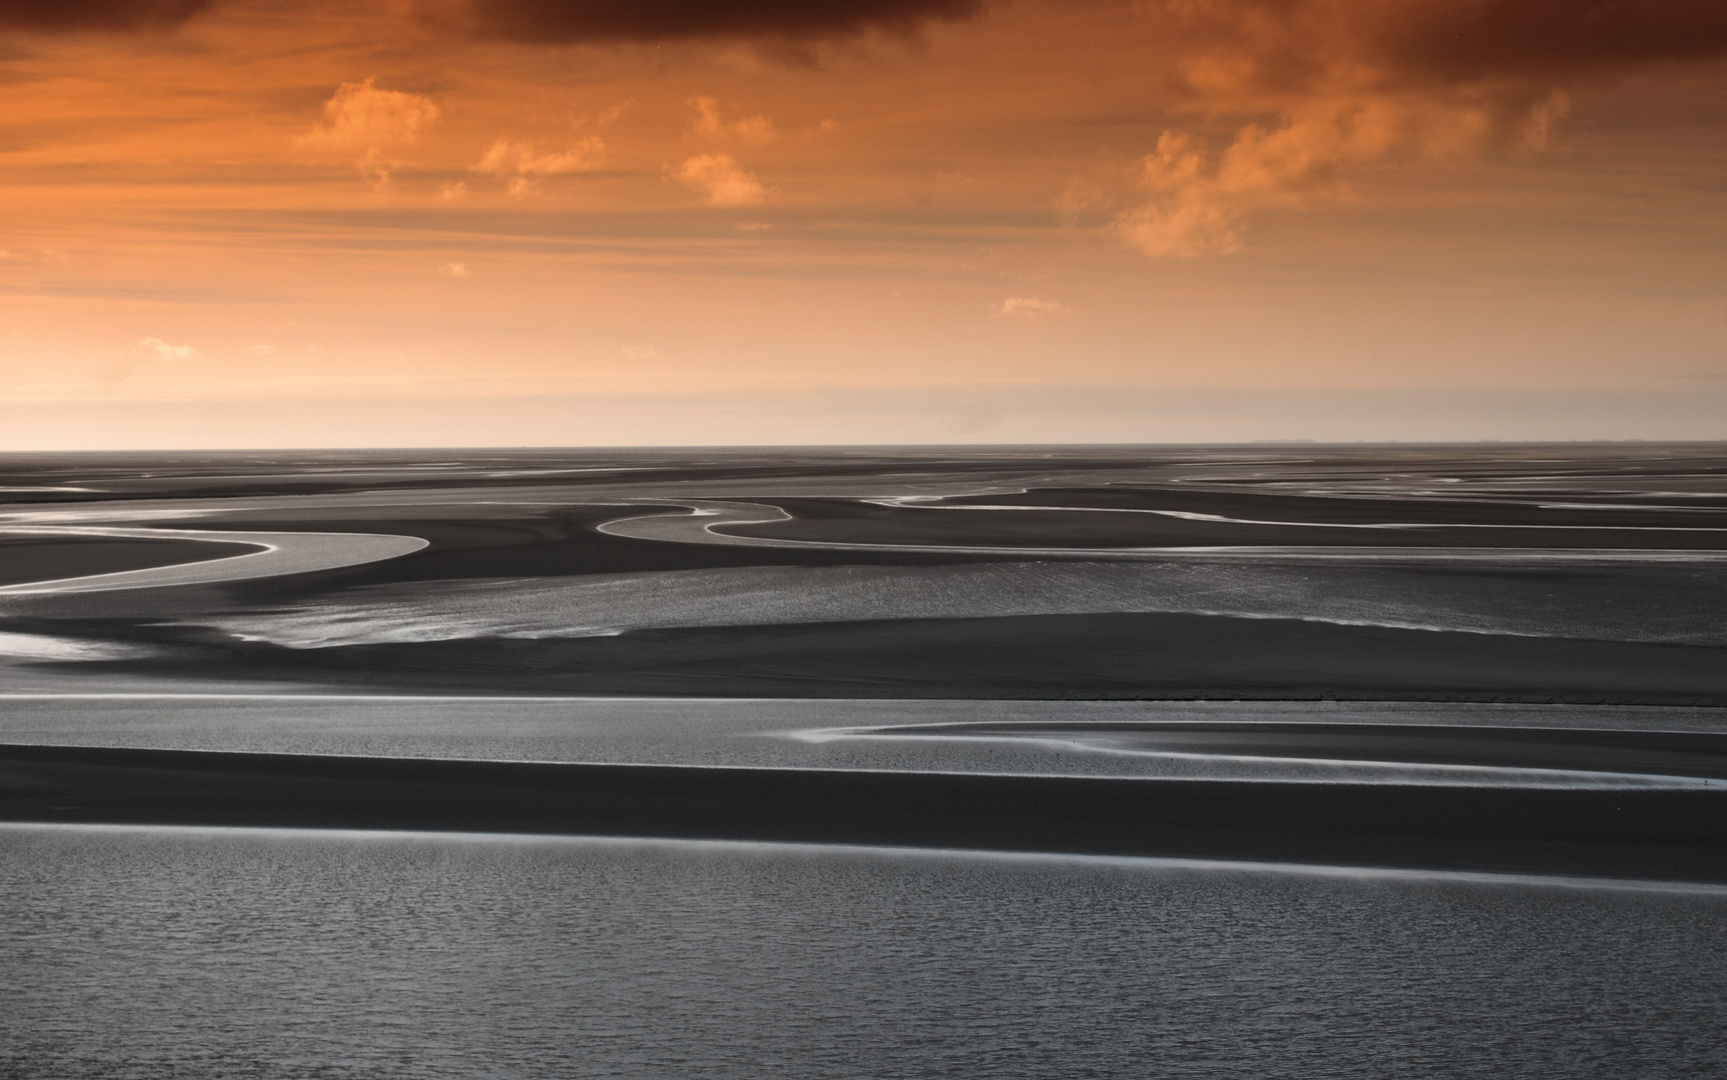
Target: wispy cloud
<point>1030,306</point>
<point>520,162</point>
<point>458,270</point>
<point>615,113</point>
<point>721,180</point>
<point>34,257</point>
<point>711,123</point>
<point>158,349</point>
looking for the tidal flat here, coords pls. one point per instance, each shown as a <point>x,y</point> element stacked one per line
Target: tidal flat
<point>777,700</point>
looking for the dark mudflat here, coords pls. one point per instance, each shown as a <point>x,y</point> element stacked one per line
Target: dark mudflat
<point>1155,655</point>
<point>1247,519</point>
<point>64,557</point>
<point>1653,834</point>
<point>1666,753</point>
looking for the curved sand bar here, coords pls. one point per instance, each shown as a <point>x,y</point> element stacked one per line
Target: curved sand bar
<point>278,553</point>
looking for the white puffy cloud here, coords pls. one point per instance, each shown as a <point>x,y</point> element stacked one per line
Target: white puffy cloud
<point>721,180</point>
<point>521,159</point>
<point>362,117</point>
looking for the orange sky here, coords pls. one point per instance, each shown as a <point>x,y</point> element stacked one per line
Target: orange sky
<point>462,222</point>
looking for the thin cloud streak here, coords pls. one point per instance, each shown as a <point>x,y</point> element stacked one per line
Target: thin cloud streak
<point>674,20</point>
<point>1031,306</point>
<point>161,350</point>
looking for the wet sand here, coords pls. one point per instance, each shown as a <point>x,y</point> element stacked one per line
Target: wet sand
<point>1580,751</point>
<point>266,555</point>
<point>1584,575</point>
<point>1056,656</point>
<point>45,559</point>
<point>1651,834</point>
<point>1112,518</point>
<point>1455,615</point>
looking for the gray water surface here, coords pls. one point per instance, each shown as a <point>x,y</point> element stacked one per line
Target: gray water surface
<point>143,953</point>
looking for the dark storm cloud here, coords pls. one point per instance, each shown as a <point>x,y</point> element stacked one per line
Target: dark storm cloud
<point>1294,43</point>
<point>556,21</point>
<point>74,15</point>
<point>1557,38</point>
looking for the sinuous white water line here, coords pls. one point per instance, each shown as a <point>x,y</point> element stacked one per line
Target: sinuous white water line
<point>1287,769</point>
<point>33,489</point>
<point>1254,768</point>
<point>278,553</point>
<point>695,527</point>
<point>700,524</point>
<point>916,503</point>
